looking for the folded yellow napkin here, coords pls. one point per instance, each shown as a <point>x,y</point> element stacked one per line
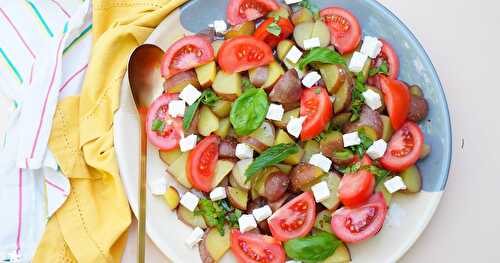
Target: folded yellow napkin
<point>92,224</point>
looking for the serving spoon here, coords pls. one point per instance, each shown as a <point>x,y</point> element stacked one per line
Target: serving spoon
<point>146,84</point>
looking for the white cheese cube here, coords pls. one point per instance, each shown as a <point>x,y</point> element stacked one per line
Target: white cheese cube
<point>195,237</point>
<point>243,151</point>
<point>188,143</point>
<point>262,213</point>
<point>377,149</point>
<point>294,126</point>
<point>310,79</point>
<point>372,99</point>
<point>312,43</point>
<point>247,223</point>
<point>358,61</point>
<point>218,193</point>
<point>176,108</point>
<point>289,2</point>
<point>351,139</point>
<point>158,186</point>
<point>321,191</point>
<point>189,201</point>
<point>321,161</point>
<point>395,184</point>
<point>220,26</point>
<point>275,112</point>
<point>371,46</point>
<point>190,94</point>
<point>294,55</point>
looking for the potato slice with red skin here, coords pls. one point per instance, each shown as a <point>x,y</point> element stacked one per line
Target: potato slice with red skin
<point>189,218</point>
<point>368,118</point>
<point>237,197</point>
<point>412,179</point>
<point>275,186</point>
<point>303,175</point>
<point>213,246</point>
<point>343,97</point>
<point>172,197</point>
<point>258,76</point>
<point>287,89</point>
<point>418,109</point>
<point>258,203</point>
<point>227,148</point>
<point>179,81</point>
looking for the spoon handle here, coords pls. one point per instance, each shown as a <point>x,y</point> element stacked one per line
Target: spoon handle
<point>142,195</point>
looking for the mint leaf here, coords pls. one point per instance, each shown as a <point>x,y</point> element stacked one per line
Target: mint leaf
<point>381,69</point>
<point>217,214</point>
<point>158,125</point>
<point>208,97</point>
<point>274,28</point>
<point>322,55</point>
<point>357,97</point>
<point>271,156</point>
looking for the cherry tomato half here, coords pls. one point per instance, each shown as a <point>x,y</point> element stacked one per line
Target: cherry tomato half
<point>356,188</point>
<point>201,163</point>
<point>185,54</point>
<point>294,219</point>
<point>162,130</point>
<point>273,40</point>
<point>404,148</point>
<point>344,28</point>
<point>315,104</point>
<point>353,225</point>
<point>239,11</point>
<point>256,248</point>
<point>243,53</point>
<point>397,99</point>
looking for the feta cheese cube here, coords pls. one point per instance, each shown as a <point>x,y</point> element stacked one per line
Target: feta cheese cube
<point>289,2</point>
<point>294,55</point>
<point>275,112</point>
<point>158,186</point>
<point>358,61</point>
<point>372,99</point>
<point>262,213</point>
<point>310,79</point>
<point>220,26</point>
<point>294,126</point>
<point>189,201</point>
<point>243,151</point>
<point>321,191</point>
<point>195,237</point>
<point>247,223</point>
<point>371,46</point>
<point>395,184</point>
<point>312,43</point>
<point>218,193</point>
<point>377,149</point>
<point>176,108</point>
<point>188,143</point>
<point>190,94</point>
<point>321,161</point>
<point>351,139</point>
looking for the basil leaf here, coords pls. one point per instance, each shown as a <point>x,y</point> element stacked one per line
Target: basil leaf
<point>350,169</point>
<point>217,214</point>
<point>381,69</point>
<point>208,97</point>
<point>379,173</point>
<point>158,125</point>
<point>366,142</point>
<point>312,248</point>
<point>357,97</point>
<point>274,28</point>
<point>249,111</point>
<point>322,55</point>
<point>271,156</point>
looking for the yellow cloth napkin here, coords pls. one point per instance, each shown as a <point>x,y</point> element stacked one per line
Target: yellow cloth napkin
<point>92,224</point>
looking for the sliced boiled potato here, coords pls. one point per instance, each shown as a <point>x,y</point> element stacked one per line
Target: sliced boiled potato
<point>216,45</point>
<point>208,122</point>
<point>333,76</point>
<point>321,31</point>
<point>238,173</point>
<point>283,11</point>
<point>412,179</point>
<point>213,245</point>
<point>387,130</point>
<point>303,32</point>
<point>286,117</point>
<point>323,221</point>
<point>381,188</point>
<point>283,137</point>
<point>178,170</point>
<point>237,197</point>
<point>303,176</point>
<point>310,147</point>
<point>245,28</point>
<point>222,169</point>
<point>223,130</point>
<point>285,168</point>
<point>221,108</point>
<point>170,156</point>
<point>179,81</point>
<point>301,16</point>
<point>190,219</point>
<point>343,97</point>
<point>283,47</point>
<point>333,182</point>
<point>172,197</point>
<point>227,86</point>
<point>275,72</point>
<point>341,255</point>
<point>206,74</point>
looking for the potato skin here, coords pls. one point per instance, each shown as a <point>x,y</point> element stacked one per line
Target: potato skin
<point>177,82</point>
<point>227,148</point>
<point>419,108</point>
<point>368,118</point>
<point>259,77</point>
<point>258,203</point>
<point>302,175</point>
<point>275,186</point>
<point>287,89</point>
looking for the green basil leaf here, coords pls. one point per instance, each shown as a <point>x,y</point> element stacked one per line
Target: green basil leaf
<point>158,125</point>
<point>271,156</point>
<point>274,29</point>
<point>189,114</point>
<point>249,111</point>
<point>312,248</point>
<point>218,213</point>
<point>209,98</point>
<point>322,55</point>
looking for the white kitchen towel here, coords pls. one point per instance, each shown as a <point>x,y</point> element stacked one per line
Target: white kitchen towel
<point>44,51</point>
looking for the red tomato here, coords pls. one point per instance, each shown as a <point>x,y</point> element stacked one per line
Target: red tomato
<point>344,28</point>
<point>397,99</point>
<point>356,188</point>
<point>239,11</point>
<point>294,219</point>
<point>272,40</point>
<point>404,148</point>
<point>243,53</point>
<point>185,54</point>
<point>353,225</point>
<point>256,248</point>
<point>201,163</point>
<point>168,137</point>
<point>364,161</point>
<point>390,57</point>
<point>316,106</point>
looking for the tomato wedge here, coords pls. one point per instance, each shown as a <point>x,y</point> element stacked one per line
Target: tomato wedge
<point>239,11</point>
<point>315,104</point>
<point>243,53</point>
<point>294,219</point>
<point>388,54</point>
<point>201,163</point>
<point>404,148</point>
<point>356,188</point>
<point>185,54</point>
<point>397,99</point>
<point>162,130</point>
<point>253,247</point>
<point>353,225</point>
<point>344,28</point>
<point>273,40</point>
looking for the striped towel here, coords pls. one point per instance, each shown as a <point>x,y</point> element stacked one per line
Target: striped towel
<point>44,50</point>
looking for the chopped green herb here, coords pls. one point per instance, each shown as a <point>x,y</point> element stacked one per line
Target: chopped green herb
<point>350,169</point>
<point>366,142</point>
<point>357,97</point>
<point>158,125</point>
<point>247,84</point>
<point>379,173</point>
<point>274,28</point>
<point>317,91</point>
<point>312,7</point>
<point>273,155</point>
<point>381,69</point>
<point>218,213</point>
<point>322,55</point>
<point>208,97</point>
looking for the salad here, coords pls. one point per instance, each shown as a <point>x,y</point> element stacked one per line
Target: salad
<point>288,130</point>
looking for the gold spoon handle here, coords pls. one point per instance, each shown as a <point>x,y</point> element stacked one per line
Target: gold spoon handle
<point>141,239</point>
